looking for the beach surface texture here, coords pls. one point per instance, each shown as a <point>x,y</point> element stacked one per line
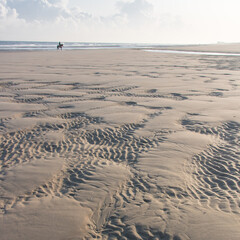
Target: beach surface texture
<point>119,144</point>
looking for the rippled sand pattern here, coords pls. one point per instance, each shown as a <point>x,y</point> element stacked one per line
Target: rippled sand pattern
<point>120,144</point>
<point>216,169</point>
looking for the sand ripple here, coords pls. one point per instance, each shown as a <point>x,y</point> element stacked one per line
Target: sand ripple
<point>216,169</point>
<point>120,145</point>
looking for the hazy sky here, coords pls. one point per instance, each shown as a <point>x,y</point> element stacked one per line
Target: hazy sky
<point>143,21</point>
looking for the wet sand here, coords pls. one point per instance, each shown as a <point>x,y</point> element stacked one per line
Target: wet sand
<point>119,144</point>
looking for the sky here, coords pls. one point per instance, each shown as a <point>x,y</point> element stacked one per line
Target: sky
<point>129,21</point>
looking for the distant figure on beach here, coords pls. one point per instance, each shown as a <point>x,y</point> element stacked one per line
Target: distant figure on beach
<point>59,46</point>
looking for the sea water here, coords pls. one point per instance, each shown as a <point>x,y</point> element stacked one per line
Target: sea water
<point>32,45</point>
<point>27,45</point>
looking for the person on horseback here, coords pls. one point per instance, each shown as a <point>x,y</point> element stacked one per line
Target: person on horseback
<point>60,45</point>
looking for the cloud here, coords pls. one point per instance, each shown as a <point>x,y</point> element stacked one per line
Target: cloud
<point>41,10</point>
<point>129,21</point>
<point>137,11</point>
<point>46,20</point>
<point>113,21</point>
<point>3,9</point>
<point>6,11</point>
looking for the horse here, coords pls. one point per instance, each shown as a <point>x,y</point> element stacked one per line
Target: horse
<point>59,46</point>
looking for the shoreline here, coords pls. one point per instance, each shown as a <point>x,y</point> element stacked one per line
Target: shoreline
<point>219,47</point>
<point>215,48</point>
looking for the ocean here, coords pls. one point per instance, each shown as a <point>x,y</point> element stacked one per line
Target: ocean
<point>29,45</point>
<point>52,46</point>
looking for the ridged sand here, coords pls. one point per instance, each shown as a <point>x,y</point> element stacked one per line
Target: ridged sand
<point>119,144</point>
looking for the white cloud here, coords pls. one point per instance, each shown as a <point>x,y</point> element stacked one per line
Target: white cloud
<point>6,11</point>
<point>131,21</point>
<point>119,20</point>
<point>49,10</point>
<point>42,10</point>
<point>137,11</point>
<point>3,11</point>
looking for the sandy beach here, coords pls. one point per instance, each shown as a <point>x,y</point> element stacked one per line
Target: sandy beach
<point>120,144</point>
